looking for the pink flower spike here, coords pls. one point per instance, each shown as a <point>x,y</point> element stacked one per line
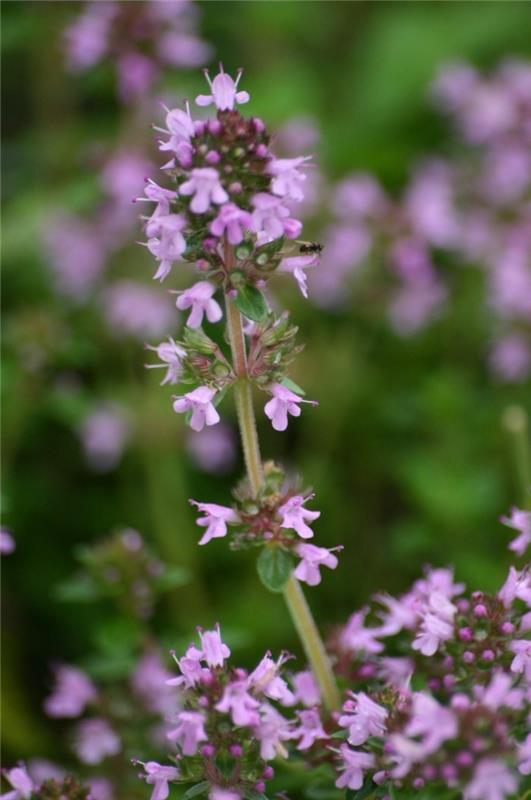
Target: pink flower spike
<point>180,127</point>
<point>205,186</point>
<point>287,179</point>
<point>520,521</point>
<point>224,91</point>
<point>296,266</point>
<point>365,720</point>
<point>166,241</point>
<point>171,354</point>
<point>313,558</point>
<point>294,516</point>
<point>215,520</point>
<point>200,299</point>
<point>199,402</point>
<point>283,402</point>
<point>214,650</point>
<point>272,219</point>
<point>354,762</point>
<point>233,220</point>
<point>21,783</point>
<point>241,705</point>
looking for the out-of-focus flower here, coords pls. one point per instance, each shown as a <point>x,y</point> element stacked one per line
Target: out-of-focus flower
<point>104,434</point>
<point>132,309</point>
<point>213,449</point>
<point>7,543</point>
<point>73,691</point>
<point>95,740</point>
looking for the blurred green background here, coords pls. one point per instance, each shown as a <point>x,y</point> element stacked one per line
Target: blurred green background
<point>406,450</point>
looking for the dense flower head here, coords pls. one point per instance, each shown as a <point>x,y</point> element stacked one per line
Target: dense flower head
<point>227,727</point>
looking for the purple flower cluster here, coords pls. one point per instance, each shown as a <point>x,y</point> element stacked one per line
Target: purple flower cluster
<point>469,209</point>
<point>139,38</point>
<point>230,214</point>
<point>442,688</point>
<point>230,724</point>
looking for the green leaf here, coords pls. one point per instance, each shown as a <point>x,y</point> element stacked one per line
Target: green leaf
<point>274,567</point>
<point>194,791</point>
<point>251,302</point>
<point>292,386</point>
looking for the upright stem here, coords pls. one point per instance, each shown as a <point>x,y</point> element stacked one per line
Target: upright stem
<point>293,594</point>
<point>516,423</point>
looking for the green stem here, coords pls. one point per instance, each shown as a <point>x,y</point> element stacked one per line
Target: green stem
<point>293,594</point>
<point>516,423</point>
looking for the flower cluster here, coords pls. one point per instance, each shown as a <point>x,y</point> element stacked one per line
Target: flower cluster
<point>229,726</point>
<point>440,687</point>
<point>138,37</point>
<point>277,520</point>
<point>25,788</point>
<point>229,213</point>
<point>468,209</point>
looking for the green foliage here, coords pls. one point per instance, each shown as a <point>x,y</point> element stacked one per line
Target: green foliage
<point>274,567</point>
<point>251,302</point>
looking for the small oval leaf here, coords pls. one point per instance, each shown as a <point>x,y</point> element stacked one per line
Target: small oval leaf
<point>274,567</point>
<point>251,302</point>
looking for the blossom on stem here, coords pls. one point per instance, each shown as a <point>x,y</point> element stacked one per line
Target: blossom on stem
<point>265,679</point>
<point>313,558</point>
<point>95,740</point>
<point>310,729</point>
<point>215,651</point>
<point>73,691</point>
<point>521,522</point>
<point>296,517</point>
<point>521,662</point>
<point>241,705</point>
<point>159,776</point>
<point>199,298</point>
<point>166,241</point>
<point>21,783</point>
<point>180,127</point>
<point>272,218</point>
<point>215,520</point>
<point>224,90</point>
<point>354,762</point>
<point>217,793</point>
<point>233,221</point>
<point>190,731</point>
<point>517,585</point>
<point>171,354</point>
<point>272,730</point>
<point>437,625</point>
<point>287,178</point>
<point>364,718</point>
<point>296,266</point>
<point>205,186</point>
<point>524,756</point>
<point>199,402</point>
<point>282,403</point>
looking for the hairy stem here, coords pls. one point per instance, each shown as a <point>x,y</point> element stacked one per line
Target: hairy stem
<point>293,594</point>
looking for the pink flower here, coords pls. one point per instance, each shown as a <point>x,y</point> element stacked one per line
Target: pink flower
<point>522,658</point>
<point>149,682</point>
<point>180,127</point>
<point>95,740</point>
<point>170,353</point>
<point>296,265</point>
<point>213,450</point>
<point>524,756</point>
<point>306,689</point>
<point>520,521</point>
<point>159,776</point>
<point>354,763</point>
<point>215,520</point>
<point>199,402</point>
<point>205,186</point>
<point>272,218</point>
<point>500,692</point>
<point>199,299</point>
<point>271,731</point>
<point>437,624</point>
<point>266,680</point>
<point>73,691</point>
<point>166,241</point>
<point>517,585</point>
<point>214,650</point>
<point>104,435</point>
<point>310,729</point>
<point>356,637</point>
<point>295,516</point>
<point>190,731</point>
<point>241,705</point>
<point>224,90</point>
<point>7,543</point>
<point>312,559</point>
<point>191,669</point>
<point>287,179</point>
<point>21,783</point>
<point>216,793</point>
<point>282,403</point>
<point>430,721</point>
<point>364,718</point>
<point>233,220</point>
<point>491,780</point>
